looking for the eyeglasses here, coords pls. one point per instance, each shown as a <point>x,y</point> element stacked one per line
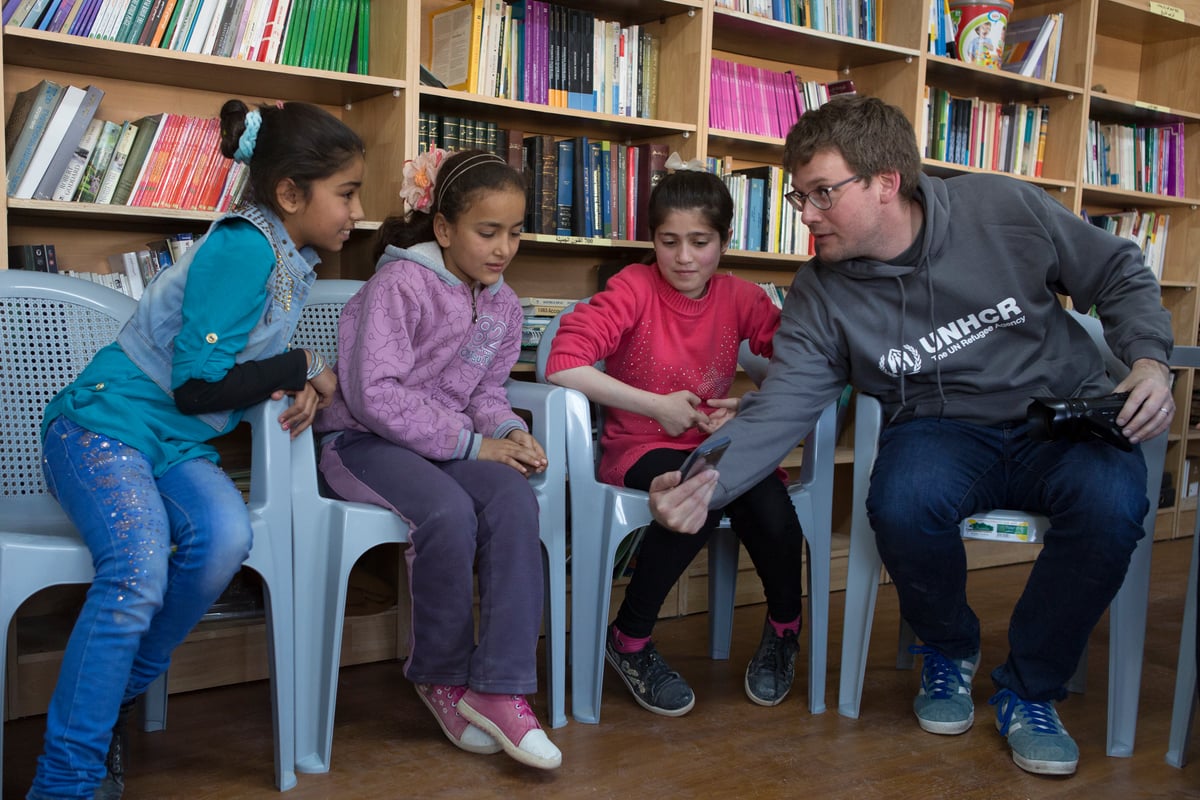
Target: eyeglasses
<point>820,198</point>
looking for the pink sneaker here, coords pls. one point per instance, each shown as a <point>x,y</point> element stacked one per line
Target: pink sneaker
<point>509,719</point>
<point>443,702</point>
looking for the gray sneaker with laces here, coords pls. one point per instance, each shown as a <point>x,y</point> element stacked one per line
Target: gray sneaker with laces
<point>1039,742</point>
<point>654,685</point>
<point>944,703</point>
<point>770,672</point>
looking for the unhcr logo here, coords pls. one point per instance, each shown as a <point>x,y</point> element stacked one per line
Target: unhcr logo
<point>900,360</point>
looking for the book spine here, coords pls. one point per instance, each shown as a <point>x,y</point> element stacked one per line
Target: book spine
<point>73,173</point>
<point>72,134</point>
<point>566,172</point>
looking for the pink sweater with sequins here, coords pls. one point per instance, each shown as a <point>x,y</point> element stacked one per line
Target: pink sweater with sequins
<point>653,338</point>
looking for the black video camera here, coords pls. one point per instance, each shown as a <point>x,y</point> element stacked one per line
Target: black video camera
<point>1078,419</point>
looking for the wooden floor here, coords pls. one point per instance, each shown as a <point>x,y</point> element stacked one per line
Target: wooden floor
<point>386,744</point>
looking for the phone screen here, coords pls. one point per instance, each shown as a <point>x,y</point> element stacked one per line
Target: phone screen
<point>705,456</point>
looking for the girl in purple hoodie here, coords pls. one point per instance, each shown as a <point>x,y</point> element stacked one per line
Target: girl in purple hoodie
<point>421,425</point>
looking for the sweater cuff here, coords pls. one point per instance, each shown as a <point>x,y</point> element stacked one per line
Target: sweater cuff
<point>1148,348</point>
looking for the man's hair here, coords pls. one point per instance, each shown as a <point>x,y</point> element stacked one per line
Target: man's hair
<point>872,136</point>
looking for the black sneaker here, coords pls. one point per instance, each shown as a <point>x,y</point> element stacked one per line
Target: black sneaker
<point>654,685</point>
<point>113,785</point>
<point>769,674</point>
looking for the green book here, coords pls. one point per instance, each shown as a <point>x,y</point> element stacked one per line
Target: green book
<point>294,35</point>
<point>93,174</point>
<point>147,133</point>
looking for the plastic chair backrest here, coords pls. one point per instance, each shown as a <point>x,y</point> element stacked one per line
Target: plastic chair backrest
<point>50,328</point>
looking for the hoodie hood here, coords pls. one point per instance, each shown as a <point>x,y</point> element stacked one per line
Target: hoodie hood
<point>429,255</point>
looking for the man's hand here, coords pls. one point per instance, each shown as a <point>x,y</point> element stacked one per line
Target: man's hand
<point>1150,407</point>
<point>682,507</point>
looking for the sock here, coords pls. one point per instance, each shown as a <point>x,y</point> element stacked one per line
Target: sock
<point>628,644</point>
<point>785,627</point>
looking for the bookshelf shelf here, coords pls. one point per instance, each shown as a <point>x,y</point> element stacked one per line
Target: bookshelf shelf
<point>756,37</point>
<point>959,78</point>
<point>1106,106</point>
<point>96,59</point>
<point>1120,198</point>
<point>548,119</point>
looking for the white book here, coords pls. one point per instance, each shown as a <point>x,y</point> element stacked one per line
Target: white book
<point>51,138</point>
<point>214,25</point>
<point>275,35</point>
<point>200,26</point>
<point>187,15</point>
<point>252,36</point>
<point>78,161</point>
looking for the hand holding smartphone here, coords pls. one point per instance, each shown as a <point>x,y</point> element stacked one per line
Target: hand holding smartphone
<point>705,456</point>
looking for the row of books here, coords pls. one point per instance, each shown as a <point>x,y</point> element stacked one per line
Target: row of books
<point>1148,229</point>
<point>36,257</point>
<point>1140,158</point>
<point>323,34</point>
<point>858,18</point>
<point>1002,137</point>
<point>764,102</point>
<point>59,149</point>
<point>451,132</point>
<point>1031,46</point>
<point>762,220</point>
<point>545,53</point>
<point>538,312</point>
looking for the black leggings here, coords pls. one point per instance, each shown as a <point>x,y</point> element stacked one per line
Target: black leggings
<point>765,522</point>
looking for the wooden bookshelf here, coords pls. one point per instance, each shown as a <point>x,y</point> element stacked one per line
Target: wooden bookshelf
<point>1121,60</point>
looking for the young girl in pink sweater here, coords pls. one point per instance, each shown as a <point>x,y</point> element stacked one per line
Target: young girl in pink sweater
<point>669,334</point>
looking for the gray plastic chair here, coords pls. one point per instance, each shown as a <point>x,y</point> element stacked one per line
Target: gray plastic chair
<point>603,515</point>
<point>1127,614</point>
<point>331,535</point>
<point>50,327</point>
<point>1183,711</point>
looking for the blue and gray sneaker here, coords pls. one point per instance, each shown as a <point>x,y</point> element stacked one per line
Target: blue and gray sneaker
<point>1039,742</point>
<point>944,704</point>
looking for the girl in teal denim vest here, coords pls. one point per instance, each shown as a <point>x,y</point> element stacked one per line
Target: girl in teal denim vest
<point>126,446</point>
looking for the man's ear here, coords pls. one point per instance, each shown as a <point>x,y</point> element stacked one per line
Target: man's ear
<point>889,185</point>
<point>288,196</point>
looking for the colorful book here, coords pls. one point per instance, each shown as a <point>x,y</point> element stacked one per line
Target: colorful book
<point>71,136</point>
<point>78,162</point>
<point>149,129</point>
<point>93,173</point>
<point>116,164</point>
<point>51,138</point>
<point>27,121</point>
<point>652,167</point>
<point>565,193</point>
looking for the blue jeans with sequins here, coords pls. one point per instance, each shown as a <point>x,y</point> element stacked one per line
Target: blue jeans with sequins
<point>164,549</point>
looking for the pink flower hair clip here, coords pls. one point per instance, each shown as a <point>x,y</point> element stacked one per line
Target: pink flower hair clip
<point>420,176</point>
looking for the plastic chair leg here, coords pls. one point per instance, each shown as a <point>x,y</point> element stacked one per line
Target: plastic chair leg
<point>1127,637</point>
<point>722,589</point>
<point>862,587</point>
<point>818,622</point>
<point>1183,711</point>
<point>154,705</point>
<point>556,636</point>
<point>589,619</point>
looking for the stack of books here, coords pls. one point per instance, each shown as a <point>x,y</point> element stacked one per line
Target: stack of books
<point>323,34</point>
<point>58,148</point>
<point>539,311</point>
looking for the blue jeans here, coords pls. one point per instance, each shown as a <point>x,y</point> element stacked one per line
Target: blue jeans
<point>930,473</point>
<point>163,549</point>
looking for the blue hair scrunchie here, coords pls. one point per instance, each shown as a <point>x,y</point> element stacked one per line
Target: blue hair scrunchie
<point>248,138</point>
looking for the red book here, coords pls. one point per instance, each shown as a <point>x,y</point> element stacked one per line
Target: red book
<point>652,167</point>
<point>156,160</point>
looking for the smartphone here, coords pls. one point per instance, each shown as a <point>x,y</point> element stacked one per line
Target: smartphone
<point>705,456</point>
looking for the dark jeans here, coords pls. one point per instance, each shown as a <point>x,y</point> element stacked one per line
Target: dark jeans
<point>931,473</point>
<point>765,522</point>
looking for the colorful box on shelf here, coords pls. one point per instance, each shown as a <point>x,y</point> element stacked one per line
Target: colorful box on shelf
<point>1000,526</point>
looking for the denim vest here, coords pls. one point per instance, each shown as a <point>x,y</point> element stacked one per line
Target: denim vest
<point>149,336</point>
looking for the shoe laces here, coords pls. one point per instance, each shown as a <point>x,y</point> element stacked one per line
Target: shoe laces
<point>655,669</point>
<point>1039,717</point>
<point>521,705</point>
<point>772,651</point>
<point>941,676</point>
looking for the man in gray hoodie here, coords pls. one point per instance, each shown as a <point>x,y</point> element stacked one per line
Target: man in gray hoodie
<point>940,297</point>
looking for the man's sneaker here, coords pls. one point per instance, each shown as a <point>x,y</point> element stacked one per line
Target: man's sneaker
<point>769,674</point>
<point>944,704</point>
<point>655,686</point>
<point>1039,742</point>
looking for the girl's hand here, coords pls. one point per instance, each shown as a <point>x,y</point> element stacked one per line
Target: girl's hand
<point>676,412</point>
<point>522,458</point>
<point>526,440</point>
<point>325,386</point>
<point>726,409</point>
<point>299,415</point>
